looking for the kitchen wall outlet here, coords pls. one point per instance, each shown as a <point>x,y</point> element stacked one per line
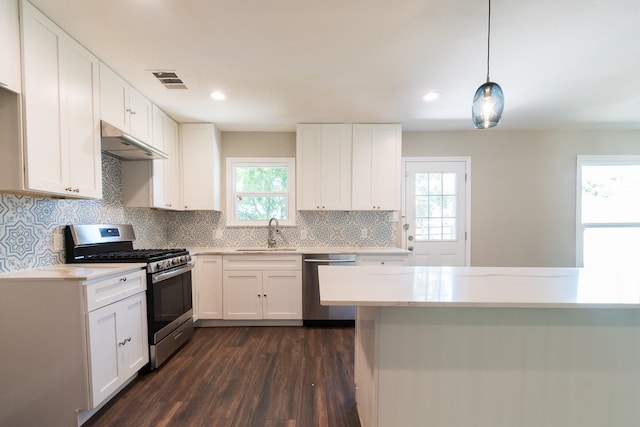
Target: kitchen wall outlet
<point>217,234</point>
<point>57,241</point>
<point>364,233</point>
<point>303,234</point>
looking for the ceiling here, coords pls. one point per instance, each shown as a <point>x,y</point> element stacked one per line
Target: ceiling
<point>562,64</point>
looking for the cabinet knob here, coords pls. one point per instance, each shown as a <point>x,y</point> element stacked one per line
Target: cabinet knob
<point>123,279</point>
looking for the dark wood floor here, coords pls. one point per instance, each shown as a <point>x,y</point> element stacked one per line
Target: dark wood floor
<point>245,377</point>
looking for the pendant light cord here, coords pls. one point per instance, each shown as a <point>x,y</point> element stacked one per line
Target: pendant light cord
<point>488,38</point>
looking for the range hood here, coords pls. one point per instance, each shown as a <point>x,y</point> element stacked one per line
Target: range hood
<point>125,146</point>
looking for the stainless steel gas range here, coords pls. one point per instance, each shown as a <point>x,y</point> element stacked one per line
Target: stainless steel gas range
<point>169,301</point>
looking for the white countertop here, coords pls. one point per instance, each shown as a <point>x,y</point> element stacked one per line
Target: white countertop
<point>300,250</point>
<point>478,287</point>
<point>71,272</point>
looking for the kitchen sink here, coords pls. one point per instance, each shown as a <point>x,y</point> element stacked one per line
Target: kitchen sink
<point>266,249</point>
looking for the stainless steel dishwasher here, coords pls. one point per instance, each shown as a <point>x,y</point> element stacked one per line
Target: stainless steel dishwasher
<point>314,314</point>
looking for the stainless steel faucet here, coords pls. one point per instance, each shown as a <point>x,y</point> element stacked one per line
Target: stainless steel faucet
<point>271,239</point>
<point>273,232</point>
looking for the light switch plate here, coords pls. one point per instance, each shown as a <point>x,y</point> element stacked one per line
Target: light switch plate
<point>303,234</point>
<point>217,234</point>
<point>364,233</point>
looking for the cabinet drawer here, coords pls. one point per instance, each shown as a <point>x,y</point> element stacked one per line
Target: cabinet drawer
<point>262,262</point>
<point>115,288</point>
<point>383,260</point>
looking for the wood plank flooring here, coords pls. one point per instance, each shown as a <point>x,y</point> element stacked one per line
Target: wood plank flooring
<point>245,377</point>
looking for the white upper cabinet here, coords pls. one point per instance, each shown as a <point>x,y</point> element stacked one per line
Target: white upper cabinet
<point>323,166</point>
<point>9,46</point>
<point>155,183</point>
<point>200,145</point>
<point>124,107</point>
<point>61,111</point>
<point>376,182</point>
<point>167,183</point>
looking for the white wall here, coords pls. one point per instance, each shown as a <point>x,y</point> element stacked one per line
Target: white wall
<point>522,188</point>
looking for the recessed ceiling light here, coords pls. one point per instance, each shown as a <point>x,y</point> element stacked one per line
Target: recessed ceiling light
<point>431,96</point>
<point>218,96</point>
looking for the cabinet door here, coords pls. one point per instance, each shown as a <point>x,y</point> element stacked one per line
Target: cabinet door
<point>323,176</point>
<point>242,295</point>
<point>133,342</point>
<point>81,118</point>
<point>336,167</point>
<point>46,156</point>
<point>9,45</point>
<point>61,111</point>
<point>308,167</point>
<point>113,98</point>
<point>200,160</point>
<point>282,294</point>
<point>103,353</point>
<point>376,182</point>
<point>171,172</point>
<point>118,344</point>
<point>208,286</point>
<point>140,116</point>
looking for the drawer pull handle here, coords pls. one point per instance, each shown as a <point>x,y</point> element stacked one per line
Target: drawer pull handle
<point>126,340</point>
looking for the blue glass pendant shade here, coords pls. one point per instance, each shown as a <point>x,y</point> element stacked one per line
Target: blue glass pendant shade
<point>488,104</point>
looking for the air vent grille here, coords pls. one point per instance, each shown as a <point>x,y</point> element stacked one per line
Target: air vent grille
<point>169,79</point>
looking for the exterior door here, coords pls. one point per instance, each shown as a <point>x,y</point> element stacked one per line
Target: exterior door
<point>436,220</point>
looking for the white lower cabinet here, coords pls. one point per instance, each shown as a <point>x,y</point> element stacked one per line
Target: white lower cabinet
<point>262,287</point>
<point>207,289</point>
<point>118,344</point>
<point>82,340</point>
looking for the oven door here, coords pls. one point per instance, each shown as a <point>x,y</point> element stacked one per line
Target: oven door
<point>170,301</point>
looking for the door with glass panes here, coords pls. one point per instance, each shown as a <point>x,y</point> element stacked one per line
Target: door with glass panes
<point>436,222</point>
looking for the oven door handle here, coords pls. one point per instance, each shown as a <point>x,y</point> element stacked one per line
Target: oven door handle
<point>168,274</point>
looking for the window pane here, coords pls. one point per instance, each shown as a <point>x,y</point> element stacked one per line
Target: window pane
<point>435,202</point>
<point>435,229</point>
<point>449,206</point>
<point>611,247</point>
<point>422,206</point>
<point>422,229</point>
<point>610,193</point>
<point>261,179</point>
<point>261,207</point>
<point>449,184</point>
<point>422,182</point>
<point>435,183</point>
<point>435,206</point>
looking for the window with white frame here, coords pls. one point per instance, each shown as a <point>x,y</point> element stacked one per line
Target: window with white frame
<point>259,189</point>
<point>608,211</point>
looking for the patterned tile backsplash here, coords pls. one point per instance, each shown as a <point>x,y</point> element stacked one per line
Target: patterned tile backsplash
<point>28,225</point>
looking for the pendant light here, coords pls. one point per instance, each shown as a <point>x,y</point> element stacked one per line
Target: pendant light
<point>488,102</point>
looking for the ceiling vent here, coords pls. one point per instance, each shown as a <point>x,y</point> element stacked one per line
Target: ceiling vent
<point>169,79</point>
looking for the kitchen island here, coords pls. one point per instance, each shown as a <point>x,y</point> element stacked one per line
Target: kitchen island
<point>481,346</point>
